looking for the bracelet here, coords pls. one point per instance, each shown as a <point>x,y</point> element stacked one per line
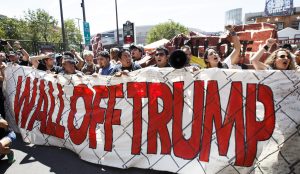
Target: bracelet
<point>233,33</point>
<point>266,47</point>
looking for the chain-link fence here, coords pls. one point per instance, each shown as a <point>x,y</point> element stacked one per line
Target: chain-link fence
<point>36,47</point>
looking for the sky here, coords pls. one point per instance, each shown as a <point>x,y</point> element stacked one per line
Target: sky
<point>207,15</point>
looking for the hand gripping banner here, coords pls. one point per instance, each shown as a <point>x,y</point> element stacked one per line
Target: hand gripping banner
<point>209,121</point>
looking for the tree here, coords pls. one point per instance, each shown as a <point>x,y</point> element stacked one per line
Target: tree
<point>165,30</point>
<point>43,27</point>
<point>11,28</point>
<point>73,34</point>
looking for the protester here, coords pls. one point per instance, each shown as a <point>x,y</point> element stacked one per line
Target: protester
<point>45,62</point>
<point>297,57</point>
<point>58,58</point>
<point>15,58</point>
<point>161,57</point>
<point>103,59</point>
<point>89,66</point>
<point>114,55</point>
<point>213,60</point>
<point>69,66</point>
<point>281,59</point>
<point>7,136</point>
<point>2,67</point>
<point>137,52</point>
<point>96,44</point>
<point>193,60</point>
<point>127,65</point>
<point>80,62</point>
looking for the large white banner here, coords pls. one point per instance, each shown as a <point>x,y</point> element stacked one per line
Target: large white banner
<point>209,121</point>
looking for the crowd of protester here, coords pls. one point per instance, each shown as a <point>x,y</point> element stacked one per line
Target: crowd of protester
<point>118,62</point>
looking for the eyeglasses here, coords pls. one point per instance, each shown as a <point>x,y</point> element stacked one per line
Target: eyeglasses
<point>160,54</point>
<point>212,53</point>
<point>283,56</point>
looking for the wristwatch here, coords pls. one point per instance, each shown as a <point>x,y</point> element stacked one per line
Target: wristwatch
<point>266,47</point>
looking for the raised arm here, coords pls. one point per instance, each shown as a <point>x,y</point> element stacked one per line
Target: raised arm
<point>235,55</point>
<point>24,52</point>
<point>80,63</point>
<point>35,59</point>
<point>255,59</point>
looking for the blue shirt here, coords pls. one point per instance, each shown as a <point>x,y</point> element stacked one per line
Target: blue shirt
<point>106,70</point>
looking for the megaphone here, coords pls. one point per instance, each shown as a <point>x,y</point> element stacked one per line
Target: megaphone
<point>178,59</point>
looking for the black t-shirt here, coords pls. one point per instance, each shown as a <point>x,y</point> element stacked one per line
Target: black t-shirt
<point>55,69</point>
<point>24,63</point>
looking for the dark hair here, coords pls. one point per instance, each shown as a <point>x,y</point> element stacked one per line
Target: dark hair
<point>121,52</point>
<point>288,47</point>
<point>103,54</point>
<point>163,49</point>
<point>68,53</point>
<point>206,52</point>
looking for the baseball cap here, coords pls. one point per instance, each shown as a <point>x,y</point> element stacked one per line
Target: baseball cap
<point>67,58</point>
<point>12,53</point>
<point>140,48</point>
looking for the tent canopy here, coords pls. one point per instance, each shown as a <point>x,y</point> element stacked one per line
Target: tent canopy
<point>289,32</point>
<point>156,44</point>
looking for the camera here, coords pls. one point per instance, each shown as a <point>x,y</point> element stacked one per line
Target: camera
<point>3,42</point>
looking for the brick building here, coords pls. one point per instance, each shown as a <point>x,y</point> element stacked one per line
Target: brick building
<point>292,21</point>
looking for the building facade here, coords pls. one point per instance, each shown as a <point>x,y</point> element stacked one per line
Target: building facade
<point>233,17</point>
<point>282,20</point>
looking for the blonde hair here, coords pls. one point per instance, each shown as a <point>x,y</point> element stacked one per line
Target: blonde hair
<point>88,53</point>
<point>271,59</point>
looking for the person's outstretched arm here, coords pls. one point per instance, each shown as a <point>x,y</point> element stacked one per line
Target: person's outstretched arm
<point>255,59</point>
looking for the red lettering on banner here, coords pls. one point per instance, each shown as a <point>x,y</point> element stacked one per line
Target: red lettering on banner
<point>234,115</point>
<point>187,149</point>
<point>78,135</point>
<point>39,113</point>
<point>258,130</point>
<point>98,113</point>
<point>137,91</point>
<point>24,100</point>
<point>59,129</point>
<point>247,130</point>
<point>50,129</point>
<point>212,111</point>
<point>157,123</point>
<point>112,116</point>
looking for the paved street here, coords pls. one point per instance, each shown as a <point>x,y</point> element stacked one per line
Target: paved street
<point>31,159</point>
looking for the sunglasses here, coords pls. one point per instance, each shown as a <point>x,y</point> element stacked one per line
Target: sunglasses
<point>159,54</point>
<point>212,53</point>
<point>283,56</point>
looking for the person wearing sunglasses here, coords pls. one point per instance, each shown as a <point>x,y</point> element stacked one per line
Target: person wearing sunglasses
<point>213,60</point>
<point>280,59</point>
<point>161,57</point>
<point>297,58</point>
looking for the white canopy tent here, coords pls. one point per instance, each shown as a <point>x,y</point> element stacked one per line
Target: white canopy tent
<point>156,44</point>
<point>289,33</point>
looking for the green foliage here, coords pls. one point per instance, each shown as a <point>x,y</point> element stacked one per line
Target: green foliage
<point>11,28</point>
<point>165,30</point>
<point>73,34</point>
<point>42,26</point>
<point>38,26</point>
